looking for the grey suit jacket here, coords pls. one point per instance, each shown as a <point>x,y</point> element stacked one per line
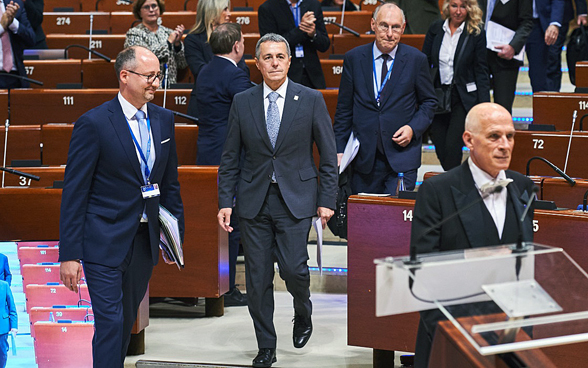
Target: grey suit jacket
<point>305,121</point>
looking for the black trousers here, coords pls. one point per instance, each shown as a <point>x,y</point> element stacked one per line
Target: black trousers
<point>503,78</point>
<point>116,293</point>
<point>447,131</point>
<point>275,234</point>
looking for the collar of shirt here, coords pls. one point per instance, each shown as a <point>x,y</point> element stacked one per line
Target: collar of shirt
<point>290,4</point>
<point>376,52</point>
<point>459,29</point>
<point>481,177</point>
<point>129,110</point>
<point>280,102</point>
<point>227,58</point>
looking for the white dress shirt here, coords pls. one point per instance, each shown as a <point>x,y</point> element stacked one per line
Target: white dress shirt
<point>129,111</point>
<point>379,62</point>
<point>447,52</point>
<point>495,203</point>
<point>280,101</point>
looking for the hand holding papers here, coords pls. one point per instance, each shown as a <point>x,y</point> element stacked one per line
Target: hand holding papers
<point>497,35</point>
<point>169,238</point>
<point>350,152</point>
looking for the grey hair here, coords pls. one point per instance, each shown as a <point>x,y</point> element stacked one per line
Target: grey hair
<point>126,59</point>
<point>271,37</point>
<point>386,4</point>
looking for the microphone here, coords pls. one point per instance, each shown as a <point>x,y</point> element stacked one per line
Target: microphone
<point>521,248</point>
<point>345,28</point>
<point>486,189</point>
<point>16,76</point>
<point>20,173</point>
<point>87,49</point>
<point>184,116</point>
<point>584,201</point>
<point>571,181</point>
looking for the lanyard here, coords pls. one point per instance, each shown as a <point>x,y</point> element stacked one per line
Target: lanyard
<point>144,157</point>
<point>385,79</point>
<point>296,13</point>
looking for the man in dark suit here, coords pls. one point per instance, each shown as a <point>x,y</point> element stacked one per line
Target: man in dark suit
<point>8,322</point>
<point>301,24</point>
<point>387,99</point>
<point>420,14</point>
<point>5,273</point>
<point>121,166</point>
<point>16,34</point>
<point>489,134</point>
<point>219,82</point>
<point>551,21</point>
<point>268,154</point>
<point>34,10</point>
<point>516,15</point>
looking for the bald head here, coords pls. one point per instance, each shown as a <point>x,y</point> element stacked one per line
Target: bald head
<point>489,134</point>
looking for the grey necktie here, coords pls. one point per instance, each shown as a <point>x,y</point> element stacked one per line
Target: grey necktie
<point>273,118</point>
<point>143,139</point>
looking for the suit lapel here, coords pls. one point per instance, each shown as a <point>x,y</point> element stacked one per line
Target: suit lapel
<point>395,75</point>
<point>471,219</point>
<point>123,131</point>
<point>460,42</point>
<point>287,13</point>
<point>155,120</point>
<point>368,70</point>
<point>256,104</point>
<point>519,200</point>
<point>291,104</point>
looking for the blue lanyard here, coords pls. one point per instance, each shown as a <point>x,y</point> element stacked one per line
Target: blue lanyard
<point>385,79</point>
<point>144,157</point>
<point>296,13</point>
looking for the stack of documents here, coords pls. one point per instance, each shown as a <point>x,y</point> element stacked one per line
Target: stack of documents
<point>169,237</point>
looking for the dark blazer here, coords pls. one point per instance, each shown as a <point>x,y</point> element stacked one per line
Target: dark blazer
<point>443,195</point>
<point>420,14</point>
<point>305,121</point>
<point>34,10</point>
<point>275,16</point>
<point>5,274</point>
<point>24,38</point>
<point>516,15</point>
<point>471,68</point>
<point>198,53</point>
<point>219,82</point>
<point>408,98</point>
<point>101,204</point>
<point>9,317</point>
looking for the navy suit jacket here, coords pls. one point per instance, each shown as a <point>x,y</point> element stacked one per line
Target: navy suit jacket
<point>220,80</point>
<point>408,99</point>
<point>24,38</point>
<point>275,16</point>
<point>9,318</point>
<point>470,68</point>
<point>5,274</point>
<point>101,204</point>
<point>305,121</point>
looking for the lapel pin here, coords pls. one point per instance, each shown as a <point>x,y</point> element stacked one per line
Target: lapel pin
<point>296,98</point>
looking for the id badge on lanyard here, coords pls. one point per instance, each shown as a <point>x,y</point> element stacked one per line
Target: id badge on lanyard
<point>299,50</point>
<point>148,190</point>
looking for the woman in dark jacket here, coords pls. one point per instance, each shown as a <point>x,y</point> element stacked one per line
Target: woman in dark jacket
<point>461,68</point>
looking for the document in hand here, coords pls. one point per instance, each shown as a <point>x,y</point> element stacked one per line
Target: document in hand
<point>169,237</point>
<point>497,35</point>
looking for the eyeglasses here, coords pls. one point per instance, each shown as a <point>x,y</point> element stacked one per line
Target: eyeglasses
<point>150,7</point>
<point>149,77</point>
<point>383,27</point>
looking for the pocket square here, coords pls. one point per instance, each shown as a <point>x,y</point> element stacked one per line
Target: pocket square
<point>165,141</point>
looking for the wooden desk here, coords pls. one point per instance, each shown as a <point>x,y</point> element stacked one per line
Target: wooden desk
<point>48,175</point>
<point>564,195</point>
<point>358,21</point>
<point>23,143</point>
<point>75,23</point>
<point>50,5</point>
<point>380,227</point>
<point>552,146</point>
<point>52,72</point>
<point>582,74</point>
<point>105,5</point>
<point>109,45</point>
<point>557,108</point>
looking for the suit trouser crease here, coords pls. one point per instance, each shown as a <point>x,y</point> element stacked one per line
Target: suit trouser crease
<point>116,293</point>
<point>275,234</point>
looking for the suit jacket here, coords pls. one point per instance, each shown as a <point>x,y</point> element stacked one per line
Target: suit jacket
<point>220,81</point>
<point>445,194</point>
<point>24,38</point>
<point>275,16</point>
<point>305,121</point>
<point>5,274</point>
<point>34,10</point>
<point>408,98</point>
<point>198,54</point>
<point>516,15</point>
<point>420,14</point>
<point>470,68</point>
<point>9,318</point>
<point>101,204</point>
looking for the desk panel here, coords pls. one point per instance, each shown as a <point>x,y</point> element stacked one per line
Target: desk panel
<point>557,108</point>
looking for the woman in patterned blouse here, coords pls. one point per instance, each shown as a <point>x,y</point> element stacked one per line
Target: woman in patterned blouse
<point>165,43</point>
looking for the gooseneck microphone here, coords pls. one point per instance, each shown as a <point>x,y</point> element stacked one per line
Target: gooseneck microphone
<point>20,173</point>
<point>567,178</point>
<point>345,28</point>
<point>102,56</point>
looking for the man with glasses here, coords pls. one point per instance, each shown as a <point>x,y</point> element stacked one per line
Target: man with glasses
<point>387,99</point>
<point>121,166</point>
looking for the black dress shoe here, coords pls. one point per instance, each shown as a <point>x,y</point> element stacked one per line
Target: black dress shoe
<point>265,358</point>
<point>302,331</point>
<point>234,298</point>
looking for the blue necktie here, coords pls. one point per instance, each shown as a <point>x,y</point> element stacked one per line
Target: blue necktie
<point>273,118</point>
<point>143,141</point>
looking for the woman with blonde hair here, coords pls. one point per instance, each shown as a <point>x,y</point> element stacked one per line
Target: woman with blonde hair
<point>164,42</point>
<point>456,49</point>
